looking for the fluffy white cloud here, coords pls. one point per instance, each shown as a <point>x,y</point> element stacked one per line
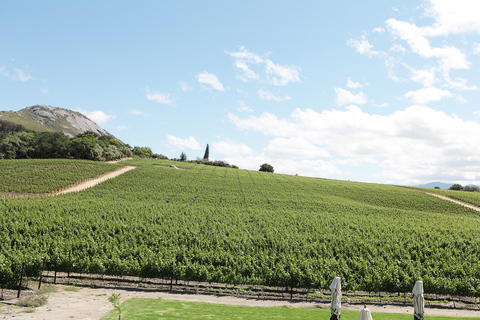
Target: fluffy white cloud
<point>426,77</point>
<point>267,95</point>
<point>346,97</point>
<point>97,116</point>
<point>210,79</point>
<point>413,145</point>
<point>231,148</point>
<point>294,148</point>
<point>274,74</point>
<point>162,98</point>
<point>362,46</point>
<point>188,143</point>
<point>453,17</point>
<point>449,57</point>
<point>425,95</point>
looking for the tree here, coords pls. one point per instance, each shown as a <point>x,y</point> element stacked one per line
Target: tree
<point>52,145</point>
<point>471,189</point>
<point>207,154</point>
<point>115,301</point>
<point>83,147</point>
<point>456,186</point>
<point>266,167</point>
<point>183,156</point>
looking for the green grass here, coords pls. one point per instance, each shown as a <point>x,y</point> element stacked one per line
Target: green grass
<point>146,309</point>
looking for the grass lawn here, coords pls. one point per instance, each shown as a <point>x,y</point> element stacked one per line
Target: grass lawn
<point>143,309</point>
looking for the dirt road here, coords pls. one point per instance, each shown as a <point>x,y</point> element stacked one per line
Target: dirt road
<point>91,183</point>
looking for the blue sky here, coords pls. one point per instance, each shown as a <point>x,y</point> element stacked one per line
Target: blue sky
<point>373,91</point>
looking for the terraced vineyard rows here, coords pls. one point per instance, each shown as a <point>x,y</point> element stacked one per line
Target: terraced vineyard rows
<point>47,175</point>
<point>243,227</point>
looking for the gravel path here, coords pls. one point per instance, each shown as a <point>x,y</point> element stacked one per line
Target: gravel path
<point>91,183</point>
<point>92,303</point>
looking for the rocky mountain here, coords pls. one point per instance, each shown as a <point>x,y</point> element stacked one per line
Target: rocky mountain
<point>50,119</point>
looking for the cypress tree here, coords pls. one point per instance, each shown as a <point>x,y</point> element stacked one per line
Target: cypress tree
<point>207,154</point>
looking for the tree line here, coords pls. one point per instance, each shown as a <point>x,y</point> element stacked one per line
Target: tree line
<point>16,142</point>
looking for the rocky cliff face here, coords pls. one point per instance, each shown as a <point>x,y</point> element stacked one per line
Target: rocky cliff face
<point>69,122</point>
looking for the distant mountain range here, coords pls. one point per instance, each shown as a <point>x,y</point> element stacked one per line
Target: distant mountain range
<point>43,118</point>
<point>441,185</point>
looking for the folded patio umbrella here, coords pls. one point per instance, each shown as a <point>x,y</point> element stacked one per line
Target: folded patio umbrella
<point>365,314</point>
<point>418,302</point>
<point>336,305</point>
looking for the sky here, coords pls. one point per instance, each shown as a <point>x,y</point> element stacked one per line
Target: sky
<point>372,91</point>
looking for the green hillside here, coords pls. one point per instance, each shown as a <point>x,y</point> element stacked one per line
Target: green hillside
<point>235,226</point>
<point>29,122</point>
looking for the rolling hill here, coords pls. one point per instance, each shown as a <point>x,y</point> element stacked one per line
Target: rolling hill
<point>216,224</point>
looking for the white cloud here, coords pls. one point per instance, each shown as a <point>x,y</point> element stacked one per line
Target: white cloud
<point>248,74</point>
<point>460,84</point>
<point>346,97</point>
<point>45,91</point>
<point>425,95</point>
<point>397,48</point>
<point>381,105</point>
<point>378,29</point>
<point>274,74</point>
<point>184,86</point>
<point>97,116</point>
<point>414,145</point>
<point>231,148</point>
<point>210,79</point>
<point>189,143</point>
<point>243,107</point>
<point>18,75</point>
<point>138,113</point>
<point>453,17</point>
<point>267,95</point>
<point>476,48</point>
<point>162,98</point>
<point>362,46</point>
<point>22,75</point>
<point>424,76</point>
<point>294,148</point>
<point>353,85</point>
<point>281,75</point>
<point>449,57</point>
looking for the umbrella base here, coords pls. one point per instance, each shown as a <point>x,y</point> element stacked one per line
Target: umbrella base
<point>415,317</point>
<point>335,317</point>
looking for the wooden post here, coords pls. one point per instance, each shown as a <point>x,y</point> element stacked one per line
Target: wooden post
<point>21,280</point>
<point>43,269</point>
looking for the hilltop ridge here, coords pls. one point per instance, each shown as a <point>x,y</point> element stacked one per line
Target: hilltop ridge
<point>44,118</point>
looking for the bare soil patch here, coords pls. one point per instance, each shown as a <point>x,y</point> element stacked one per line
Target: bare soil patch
<point>95,181</point>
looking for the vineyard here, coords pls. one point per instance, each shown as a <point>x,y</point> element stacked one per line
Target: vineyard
<point>216,224</point>
<point>47,175</point>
